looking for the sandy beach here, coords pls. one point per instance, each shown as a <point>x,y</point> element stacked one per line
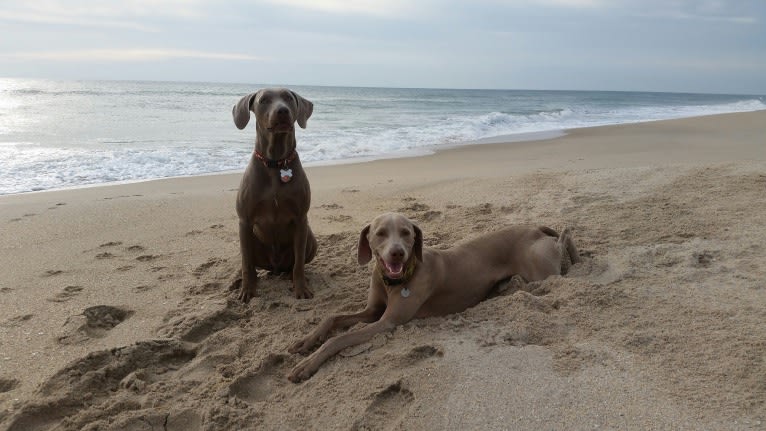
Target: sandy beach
<point>115,312</point>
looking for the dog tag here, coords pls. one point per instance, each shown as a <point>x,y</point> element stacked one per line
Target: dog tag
<point>286,175</point>
<point>405,292</point>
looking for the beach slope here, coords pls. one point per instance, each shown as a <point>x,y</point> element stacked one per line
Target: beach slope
<point>115,312</point>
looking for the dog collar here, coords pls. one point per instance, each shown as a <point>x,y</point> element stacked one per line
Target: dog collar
<point>285,173</point>
<point>388,282</point>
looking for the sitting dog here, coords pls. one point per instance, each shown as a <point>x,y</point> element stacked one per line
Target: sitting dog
<point>274,195</point>
<point>409,281</point>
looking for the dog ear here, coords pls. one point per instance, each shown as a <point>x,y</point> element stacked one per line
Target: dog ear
<point>363,250</point>
<point>305,109</point>
<point>241,111</point>
<point>417,247</point>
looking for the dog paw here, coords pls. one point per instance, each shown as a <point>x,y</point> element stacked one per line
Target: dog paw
<point>303,345</point>
<point>244,286</point>
<point>245,295</point>
<point>303,371</point>
<point>303,293</point>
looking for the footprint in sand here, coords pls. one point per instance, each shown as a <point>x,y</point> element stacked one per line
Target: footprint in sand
<point>94,322</point>
<point>194,328</point>
<point>332,206</point>
<point>5,290</point>
<point>66,294</point>
<point>201,269</point>
<point>105,376</point>
<point>52,272</point>
<point>421,353</point>
<point>105,255</point>
<point>415,206</point>
<point>389,406</point>
<point>338,218</point>
<point>146,258</point>
<point>110,244</point>
<point>17,321</point>
<point>703,259</point>
<point>7,384</point>
<point>142,288</point>
<point>135,248</point>
<point>258,386</point>
<point>429,216</point>
<point>206,288</point>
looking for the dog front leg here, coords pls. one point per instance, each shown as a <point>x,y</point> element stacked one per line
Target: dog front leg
<point>307,367</point>
<point>248,248</point>
<point>299,249</point>
<point>331,324</point>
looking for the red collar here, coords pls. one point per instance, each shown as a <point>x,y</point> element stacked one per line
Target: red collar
<point>274,164</point>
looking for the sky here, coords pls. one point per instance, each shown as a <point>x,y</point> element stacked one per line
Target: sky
<point>704,46</point>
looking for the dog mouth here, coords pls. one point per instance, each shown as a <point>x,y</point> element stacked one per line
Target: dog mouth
<point>281,128</point>
<point>393,270</point>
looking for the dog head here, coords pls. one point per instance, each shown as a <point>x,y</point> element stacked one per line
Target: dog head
<point>275,109</point>
<point>393,240</point>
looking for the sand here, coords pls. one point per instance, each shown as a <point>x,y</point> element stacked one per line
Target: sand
<point>115,312</point>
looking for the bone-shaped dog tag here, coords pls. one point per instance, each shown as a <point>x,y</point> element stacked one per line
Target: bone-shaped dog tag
<point>286,175</point>
<point>405,292</point>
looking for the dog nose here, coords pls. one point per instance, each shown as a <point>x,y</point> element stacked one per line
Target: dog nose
<point>397,253</point>
<point>283,111</point>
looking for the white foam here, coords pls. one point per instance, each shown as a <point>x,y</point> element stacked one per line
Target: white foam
<point>159,132</point>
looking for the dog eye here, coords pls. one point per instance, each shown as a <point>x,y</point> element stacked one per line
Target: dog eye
<point>405,232</point>
<point>381,233</point>
<point>263,100</point>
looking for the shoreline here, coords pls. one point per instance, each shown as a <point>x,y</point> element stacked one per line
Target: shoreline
<point>525,137</point>
<point>119,292</point>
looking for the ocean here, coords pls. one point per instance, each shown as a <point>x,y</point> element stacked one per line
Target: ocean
<point>59,134</point>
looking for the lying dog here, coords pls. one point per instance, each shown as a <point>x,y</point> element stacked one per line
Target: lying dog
<point>409,281</point>
<point>274,195</point>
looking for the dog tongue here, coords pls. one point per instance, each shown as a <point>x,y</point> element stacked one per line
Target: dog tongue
<point>394,268</point>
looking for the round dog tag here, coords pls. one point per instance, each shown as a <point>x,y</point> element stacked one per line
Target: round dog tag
<point>405,292</point>
<point>286,175</point>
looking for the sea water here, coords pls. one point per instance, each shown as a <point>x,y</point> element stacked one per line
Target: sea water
<point>59,134</point>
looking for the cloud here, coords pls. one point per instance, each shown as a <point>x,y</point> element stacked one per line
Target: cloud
<point>690,10</point>
<point>573,3</point>
<point>349,7</point>
<point>69,20</point>
<point>576,4</point>
<point>128,55</point>
<point>93,13</point>
<point>710,18</point>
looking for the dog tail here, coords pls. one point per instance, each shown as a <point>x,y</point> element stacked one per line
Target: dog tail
<point>566,243</point>
<point>569,253</point>
<point>548,231</point>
